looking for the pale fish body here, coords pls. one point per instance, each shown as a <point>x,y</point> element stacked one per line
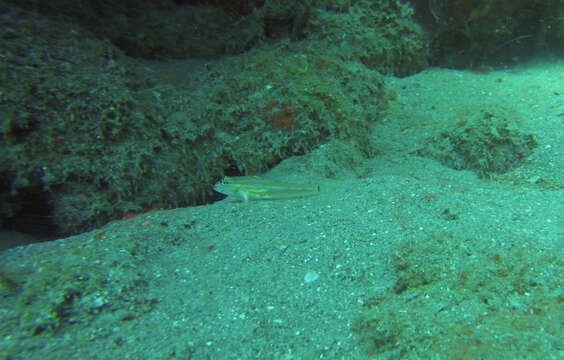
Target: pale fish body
<point>255,188</point>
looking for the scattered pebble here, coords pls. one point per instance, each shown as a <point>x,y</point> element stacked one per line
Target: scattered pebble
<point>310,277</point>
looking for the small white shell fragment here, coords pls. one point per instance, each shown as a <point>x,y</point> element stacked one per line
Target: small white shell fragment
<point>310,277</point>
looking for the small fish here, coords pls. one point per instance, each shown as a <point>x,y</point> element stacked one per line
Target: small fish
<point>254,188</point>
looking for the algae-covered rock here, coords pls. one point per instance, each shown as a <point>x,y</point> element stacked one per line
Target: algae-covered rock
<point>486,144</point>
<point>270,104</point>
<point>95,135</point>
<point>382,35</point>
<point>155,29</point>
